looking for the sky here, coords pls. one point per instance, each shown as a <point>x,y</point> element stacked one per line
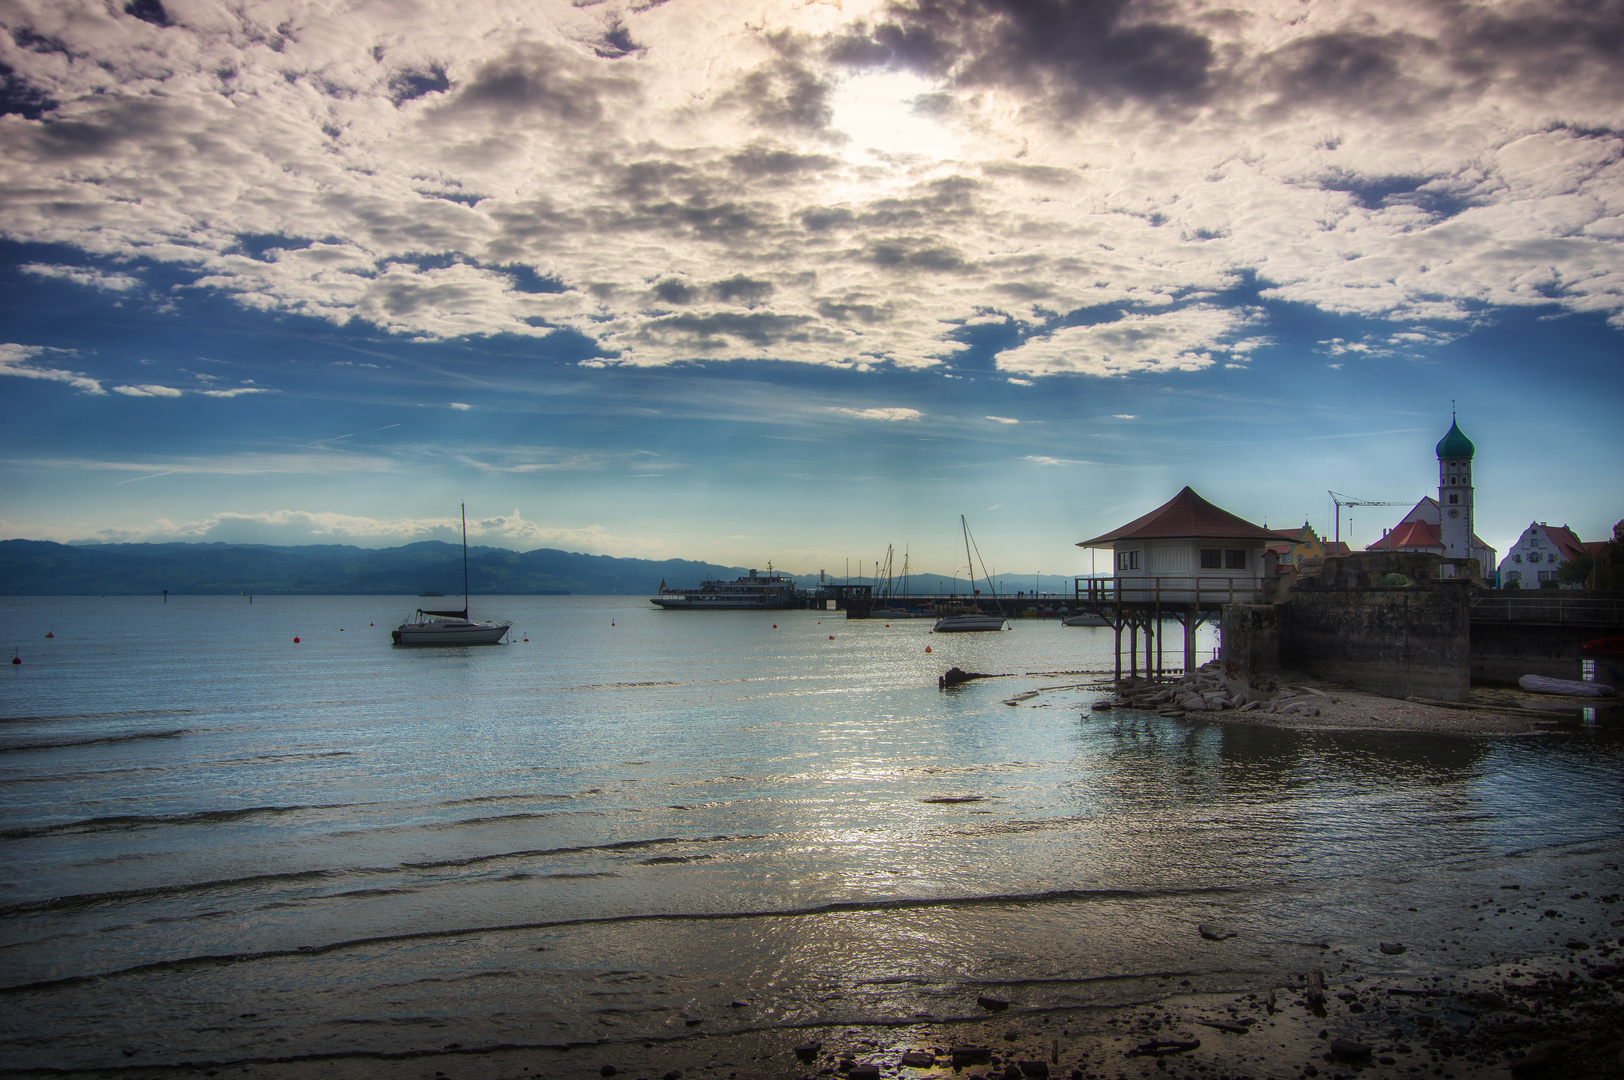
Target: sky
<point>793,282</point>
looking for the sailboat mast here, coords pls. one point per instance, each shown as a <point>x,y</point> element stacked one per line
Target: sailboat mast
<point>465,560</point>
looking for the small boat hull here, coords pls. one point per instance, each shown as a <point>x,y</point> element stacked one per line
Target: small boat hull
<point>1086,619</point>
<point>961,624</point>
<point>449,632</point>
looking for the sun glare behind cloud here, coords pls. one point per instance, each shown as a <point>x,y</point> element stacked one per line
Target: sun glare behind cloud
<point>887,117</point>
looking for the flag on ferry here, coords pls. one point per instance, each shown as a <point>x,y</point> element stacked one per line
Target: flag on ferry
<point>662,584</point>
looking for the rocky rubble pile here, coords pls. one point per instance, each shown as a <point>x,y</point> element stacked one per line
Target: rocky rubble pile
<point>1203,691</point>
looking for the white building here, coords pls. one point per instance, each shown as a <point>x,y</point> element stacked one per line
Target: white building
<point>1537,555</point>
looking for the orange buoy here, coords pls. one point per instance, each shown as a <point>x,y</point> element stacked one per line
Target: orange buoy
<point>927,648</point>
<point>50,633</point>
<point>372,624</point>
<point>296,641</point>
<point>775,626</point>
<point>831,637</point>
<point>17,659</point>
<point>527,640</point>
<point>611,622</point>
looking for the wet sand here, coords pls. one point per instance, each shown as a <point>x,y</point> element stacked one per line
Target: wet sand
<point>1559,1016</point>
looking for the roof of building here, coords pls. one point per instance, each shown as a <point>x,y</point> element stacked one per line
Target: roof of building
<point>1337,547</point>
<point>1455,444</point>
<point>1187,515</point>
<point>1409,535</point>
<point>1565,540</point>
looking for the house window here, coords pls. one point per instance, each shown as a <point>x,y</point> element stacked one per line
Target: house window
<point>1547,575</point>
<point>1235,559</point>
<point>1127,560</point>
<point>1211,558</point>
<point>1533,556</point>
<point>1513,575</point>
<point>1516,558</point>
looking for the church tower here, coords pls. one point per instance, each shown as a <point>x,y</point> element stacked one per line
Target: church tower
<point>1455,452</point>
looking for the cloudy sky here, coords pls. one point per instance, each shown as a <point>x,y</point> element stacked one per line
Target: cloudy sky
<point>793,280</point>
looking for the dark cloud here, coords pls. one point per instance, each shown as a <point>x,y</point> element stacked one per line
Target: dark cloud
<point>758,161</point>
<point>740,288</point>
<point>18,98</point>
<point>821,218</point>
<point>1439,197</point>
<point>537,79</point>
<point>117,120</point>
<point>1539,44</point>
<point>411,84</point>
<point>1339,66</point>
<point>1074,52</point>
<point>916,255</point>
<point>151,11</point>
<point>939,203</point>
<point>616,42</point>
<point>712,332</point>
<point>857,307</point>
<point>785,94</point>
<point>674,291</point>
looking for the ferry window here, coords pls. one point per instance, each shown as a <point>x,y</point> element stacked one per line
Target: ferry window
<point>1211,558</point>
<point>1235,559</point>
<point>1127,560</point>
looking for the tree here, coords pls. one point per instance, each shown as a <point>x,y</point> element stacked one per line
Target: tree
<point>1577,570</point>
<point>1610,562</point>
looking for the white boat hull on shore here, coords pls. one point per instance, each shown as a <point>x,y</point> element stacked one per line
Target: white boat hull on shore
<point>959,624</point>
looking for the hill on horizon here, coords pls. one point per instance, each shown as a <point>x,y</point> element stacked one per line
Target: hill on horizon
<point>46,568</point>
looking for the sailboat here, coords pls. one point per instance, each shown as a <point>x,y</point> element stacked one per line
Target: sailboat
<point>450,627</point>
<point>972,620</point>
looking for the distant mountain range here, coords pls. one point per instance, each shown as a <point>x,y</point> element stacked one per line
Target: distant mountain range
<point>42,568</point>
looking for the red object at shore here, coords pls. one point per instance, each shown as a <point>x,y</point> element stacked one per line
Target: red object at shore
<point>1606,646</point>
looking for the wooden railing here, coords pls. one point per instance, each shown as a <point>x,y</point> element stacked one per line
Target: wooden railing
<point>1169,590</point>
<point>1559,607</point>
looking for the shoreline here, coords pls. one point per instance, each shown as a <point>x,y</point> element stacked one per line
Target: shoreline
<point>1543,1018</point>
<point>1319,705</point>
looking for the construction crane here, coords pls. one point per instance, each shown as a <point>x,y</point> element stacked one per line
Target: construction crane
<point>1342,500</point>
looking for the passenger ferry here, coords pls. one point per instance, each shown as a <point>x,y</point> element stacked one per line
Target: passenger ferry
<point>753,592</point>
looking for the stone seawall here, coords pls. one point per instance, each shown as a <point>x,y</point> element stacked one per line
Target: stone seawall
<point>1385,622</point>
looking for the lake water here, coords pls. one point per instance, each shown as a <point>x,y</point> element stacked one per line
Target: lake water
<point>219,845</point>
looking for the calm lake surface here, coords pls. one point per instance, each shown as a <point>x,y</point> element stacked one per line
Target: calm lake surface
<point>218,845</point>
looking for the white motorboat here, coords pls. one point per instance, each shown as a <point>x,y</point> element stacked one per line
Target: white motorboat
<point>450,627</point>
<point>968,621</point>
<point>1086,618</point>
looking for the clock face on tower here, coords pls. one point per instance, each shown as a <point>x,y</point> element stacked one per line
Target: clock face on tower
<point>1454,513</point>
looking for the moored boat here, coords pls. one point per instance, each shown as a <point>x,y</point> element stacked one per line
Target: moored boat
<point>427,627</point>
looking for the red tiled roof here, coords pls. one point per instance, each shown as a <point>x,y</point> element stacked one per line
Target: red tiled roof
<point>1409,534</point>
<point>1564,539</point>
<point>1337,547</point>
<point>1187,515</point>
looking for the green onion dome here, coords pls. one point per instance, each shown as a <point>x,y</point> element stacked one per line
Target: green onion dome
<point>1455,444</point>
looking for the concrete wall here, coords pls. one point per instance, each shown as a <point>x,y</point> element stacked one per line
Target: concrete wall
<point>1249,648</point>
<point>1399,641</point>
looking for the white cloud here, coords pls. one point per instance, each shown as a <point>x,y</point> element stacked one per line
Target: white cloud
<point>80,275</point>
<point>459,406</point>
<point>236,391</point>
<point>148,390</point>
<point>1183,339</point>
<point>890,415</point>
<point>16,360</point>
<point>1003,420</point>
<point>703,198</point>
<point>1124,416</point>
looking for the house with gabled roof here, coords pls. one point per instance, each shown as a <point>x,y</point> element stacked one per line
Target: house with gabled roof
<point>1184,560</point>
<point>1538,555</point>
<point>1186,549</point>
